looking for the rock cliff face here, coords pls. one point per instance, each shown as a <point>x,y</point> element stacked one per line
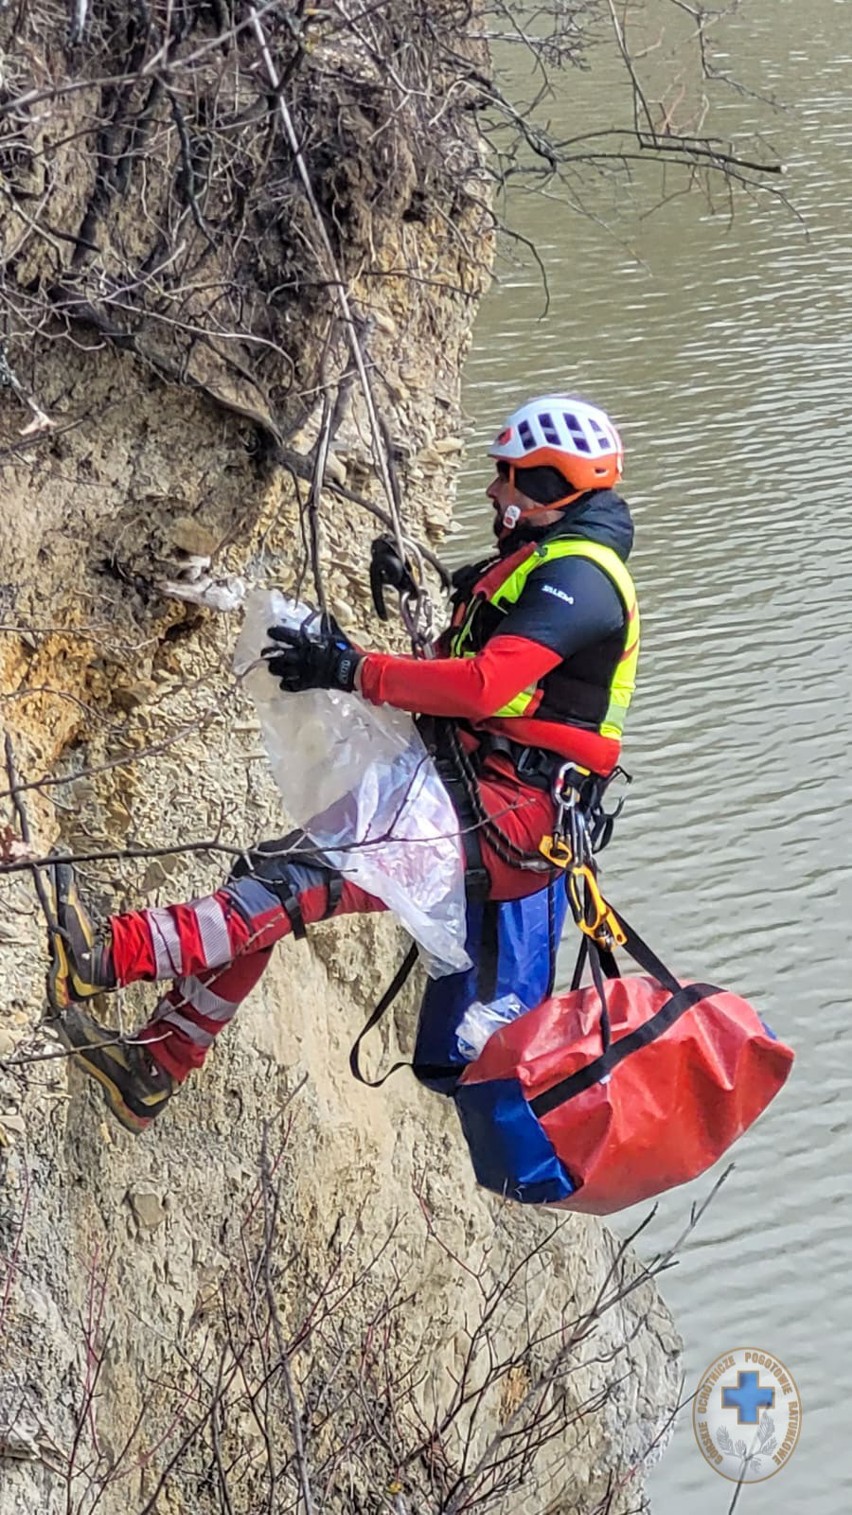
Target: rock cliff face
<point>289,1293</point>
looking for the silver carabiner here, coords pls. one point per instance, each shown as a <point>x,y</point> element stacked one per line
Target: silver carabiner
<point>570,820</point>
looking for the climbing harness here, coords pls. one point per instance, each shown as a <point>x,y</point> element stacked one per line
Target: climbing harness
<point>458,771</point>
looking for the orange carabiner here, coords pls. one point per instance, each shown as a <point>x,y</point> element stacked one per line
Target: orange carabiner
<point>557,850</point>
<point>590,910</point>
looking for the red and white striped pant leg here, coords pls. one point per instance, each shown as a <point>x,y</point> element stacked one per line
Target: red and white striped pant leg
<point>188,1019</point>
<point>208,991</point>
<point>176,941</point>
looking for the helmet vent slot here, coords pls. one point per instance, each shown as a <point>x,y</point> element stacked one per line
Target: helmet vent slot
<point>578,435</point>
<point>549,431</point>
<point>604,442</point>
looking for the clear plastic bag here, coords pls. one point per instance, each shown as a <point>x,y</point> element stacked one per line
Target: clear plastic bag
<point>480,1021</point>
<point>359,780</point>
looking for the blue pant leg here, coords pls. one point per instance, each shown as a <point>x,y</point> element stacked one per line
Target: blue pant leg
<point>527,934</point>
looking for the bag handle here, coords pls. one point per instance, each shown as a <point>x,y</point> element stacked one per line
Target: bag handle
<point>596,948</point>
<point>602,1067</point>
<point>393,989</point>
<point>603,928</point>
<point>643,955</point>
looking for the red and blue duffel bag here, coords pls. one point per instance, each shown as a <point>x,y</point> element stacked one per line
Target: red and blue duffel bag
<point>618,1090</point>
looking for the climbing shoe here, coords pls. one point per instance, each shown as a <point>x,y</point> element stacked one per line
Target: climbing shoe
<point>80,953</point>
<point>135,1087</point>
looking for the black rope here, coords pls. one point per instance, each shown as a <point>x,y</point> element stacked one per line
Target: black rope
<point>507,850</point>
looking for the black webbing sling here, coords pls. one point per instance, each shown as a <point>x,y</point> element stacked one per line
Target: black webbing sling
<point>602,964</point>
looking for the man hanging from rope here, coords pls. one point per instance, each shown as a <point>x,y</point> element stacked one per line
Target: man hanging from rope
<point>530,684</point>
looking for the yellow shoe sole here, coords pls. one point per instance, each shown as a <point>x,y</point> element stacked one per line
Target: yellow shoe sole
<point>93,1050</point>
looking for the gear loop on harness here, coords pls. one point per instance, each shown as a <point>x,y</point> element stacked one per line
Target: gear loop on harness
<point>582,826</point>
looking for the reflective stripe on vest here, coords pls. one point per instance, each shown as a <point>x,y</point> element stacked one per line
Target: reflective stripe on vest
<point>509,591</point>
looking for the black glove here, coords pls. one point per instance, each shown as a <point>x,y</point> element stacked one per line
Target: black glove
<point>387,567</point>
<point>321,659</point>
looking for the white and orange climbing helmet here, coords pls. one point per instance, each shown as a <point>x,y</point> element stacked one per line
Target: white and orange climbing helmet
<point>566,433</point>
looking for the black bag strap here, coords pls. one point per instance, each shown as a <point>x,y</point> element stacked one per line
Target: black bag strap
<point>605,958</point>
<point>487,963</point>
<point>401,976</point>
<point>616,1052</point>
<point>597,970</point>
<point>486,987</point>
<point>603,965</point>
<point>643,955</point>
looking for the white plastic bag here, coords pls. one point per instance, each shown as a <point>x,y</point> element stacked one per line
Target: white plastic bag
<point>480,1021</point>
<point>359,780</point>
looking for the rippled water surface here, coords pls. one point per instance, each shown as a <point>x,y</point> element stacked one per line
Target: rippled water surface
<point>724,350</point>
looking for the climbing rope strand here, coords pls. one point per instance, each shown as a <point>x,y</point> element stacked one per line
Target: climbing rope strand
<point>500,843</point>
<point>315,501</point>
<point>417,609</point>
<point>380,453</point>
<point>295,461</point>
<point>415,605</point>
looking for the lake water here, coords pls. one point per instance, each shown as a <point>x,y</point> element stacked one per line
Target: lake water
<point>723,349</point>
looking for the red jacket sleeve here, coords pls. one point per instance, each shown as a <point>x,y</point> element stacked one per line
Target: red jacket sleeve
<point>470,688</point>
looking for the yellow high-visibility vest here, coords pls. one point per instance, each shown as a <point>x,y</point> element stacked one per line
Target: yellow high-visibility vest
<point>507,593</point>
